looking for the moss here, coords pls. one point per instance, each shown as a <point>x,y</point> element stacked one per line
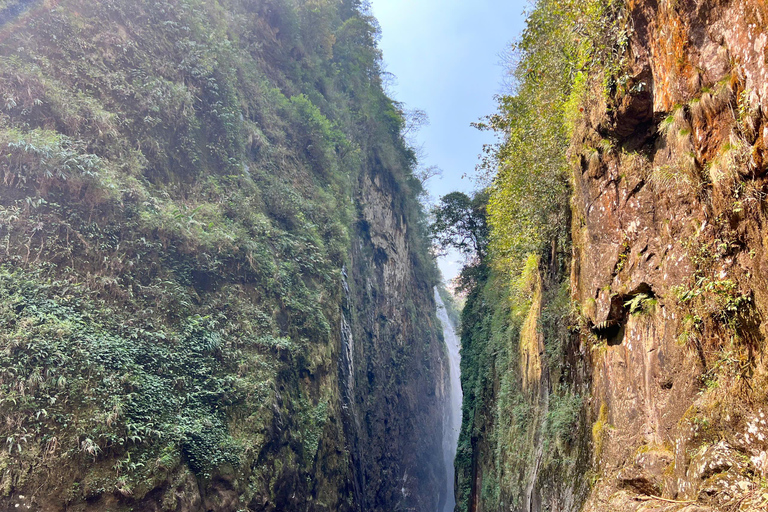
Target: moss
<point>180,192</point>
<point>598,431</point>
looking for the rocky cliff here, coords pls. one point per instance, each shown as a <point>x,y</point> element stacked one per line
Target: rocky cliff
<point>216,291</point>
<point>656,398</point>
<point>670,264</point>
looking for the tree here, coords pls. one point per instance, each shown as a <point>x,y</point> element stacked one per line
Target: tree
<point>424,174</point>
<point>460,222</point>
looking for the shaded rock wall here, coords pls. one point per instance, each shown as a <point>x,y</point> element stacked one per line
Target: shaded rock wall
<point>399,374</point>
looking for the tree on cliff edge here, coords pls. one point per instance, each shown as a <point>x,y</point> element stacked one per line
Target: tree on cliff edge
<point>460,222</point>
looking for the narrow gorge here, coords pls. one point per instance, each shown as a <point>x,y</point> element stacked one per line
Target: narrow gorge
<point>219,282</point>
<point>452,418</point>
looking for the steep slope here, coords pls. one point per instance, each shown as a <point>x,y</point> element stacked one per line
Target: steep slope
<point>676,212</point>
<point>655,399</point>
<point>209,224</point>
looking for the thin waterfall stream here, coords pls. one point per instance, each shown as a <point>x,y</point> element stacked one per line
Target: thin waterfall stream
<point>452,424</point>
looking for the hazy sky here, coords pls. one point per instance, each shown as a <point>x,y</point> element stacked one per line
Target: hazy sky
<point>446,56</point>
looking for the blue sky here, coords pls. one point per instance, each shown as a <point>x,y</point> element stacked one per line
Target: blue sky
<point>447,58</point>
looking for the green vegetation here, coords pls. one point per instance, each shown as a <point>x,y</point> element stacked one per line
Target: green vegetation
<point>96,389</point>
<point>642,303</point>
<point>712,300</point>
<point>528,171</point>
<point>460,222</point>
<point>516,324</point>
<point>180,192</point>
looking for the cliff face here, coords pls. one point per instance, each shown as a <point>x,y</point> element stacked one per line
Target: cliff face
<point>397,378</point>
<point>215,290</point>
<point>670,263</point>
<point>665,360</point>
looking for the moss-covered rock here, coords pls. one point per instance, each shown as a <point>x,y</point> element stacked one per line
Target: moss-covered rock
<point>183,186</point>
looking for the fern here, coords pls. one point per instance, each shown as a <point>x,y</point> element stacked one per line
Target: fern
<point>640,303</point>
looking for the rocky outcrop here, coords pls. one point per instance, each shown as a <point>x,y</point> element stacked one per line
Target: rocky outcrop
<point>654,377</point>
<point>670,262</point>
<point>398,377</point>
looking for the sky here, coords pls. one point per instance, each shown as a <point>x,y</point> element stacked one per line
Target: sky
<point>447,60</point>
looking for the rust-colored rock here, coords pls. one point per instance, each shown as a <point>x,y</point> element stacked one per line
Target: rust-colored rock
<point>679,209</point>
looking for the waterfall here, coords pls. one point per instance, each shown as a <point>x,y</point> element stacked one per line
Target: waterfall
<point>452,424</point>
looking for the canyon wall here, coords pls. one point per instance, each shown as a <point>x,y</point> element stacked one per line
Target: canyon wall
<point>216,293</point>
<point>670,263</point>
<point>660,354</point>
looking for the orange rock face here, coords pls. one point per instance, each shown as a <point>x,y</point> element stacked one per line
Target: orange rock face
<point>671,219</point>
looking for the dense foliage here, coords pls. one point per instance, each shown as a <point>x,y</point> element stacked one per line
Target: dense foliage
<point>176,207</point>
<point>522,413</point>
<point>460,221</point>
